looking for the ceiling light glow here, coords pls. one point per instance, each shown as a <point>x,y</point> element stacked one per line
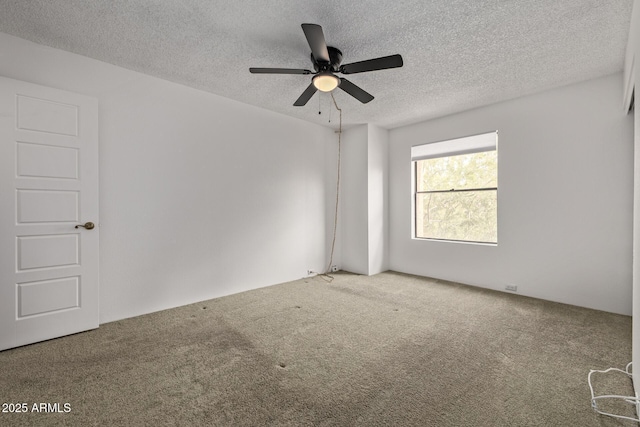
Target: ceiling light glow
<point>326,82</point>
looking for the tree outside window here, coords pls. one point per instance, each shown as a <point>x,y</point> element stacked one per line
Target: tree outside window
<point>456,196</point>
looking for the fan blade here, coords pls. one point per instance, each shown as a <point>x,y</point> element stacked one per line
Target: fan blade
<point>392,61</point>
<point>315,38</point>
<point>355,91</point>
<point>306,96</point>
<point>278,71</point>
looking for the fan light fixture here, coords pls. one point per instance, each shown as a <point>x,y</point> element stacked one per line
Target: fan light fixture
<point>326,61</point>
<point>326,82</point>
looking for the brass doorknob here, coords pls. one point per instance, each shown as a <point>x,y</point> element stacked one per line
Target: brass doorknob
<point>87,225</point>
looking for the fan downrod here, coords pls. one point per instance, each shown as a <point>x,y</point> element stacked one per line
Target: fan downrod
<point>335,58</point>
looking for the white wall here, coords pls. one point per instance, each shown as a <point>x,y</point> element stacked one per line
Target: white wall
<point>565,179</point>
<point>632,81</point>
<point>364,206</point>
<point>200,196</point>
<point>378,198</point>
<point>354,206</point>
<point>636,238</point>
<point>631,54</point>
<point>331,171</point>
<point>181,171</point>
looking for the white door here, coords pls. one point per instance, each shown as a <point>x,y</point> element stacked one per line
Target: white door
<point>48,186</point>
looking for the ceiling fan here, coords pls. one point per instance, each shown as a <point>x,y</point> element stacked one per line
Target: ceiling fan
<point>326,62</point>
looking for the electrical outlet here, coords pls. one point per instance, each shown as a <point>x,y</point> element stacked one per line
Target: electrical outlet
<point>512,288</point>
<point>334,268</point>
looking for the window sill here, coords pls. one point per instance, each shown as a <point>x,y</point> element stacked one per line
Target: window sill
<point>464,242</point>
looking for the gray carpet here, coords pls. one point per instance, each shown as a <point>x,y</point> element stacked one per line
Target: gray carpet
<point>391,349</point>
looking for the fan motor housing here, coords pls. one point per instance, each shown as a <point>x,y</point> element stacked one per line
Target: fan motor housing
<point>335,58</point>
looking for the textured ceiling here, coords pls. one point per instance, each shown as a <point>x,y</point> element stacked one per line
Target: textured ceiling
<point>458,54</point>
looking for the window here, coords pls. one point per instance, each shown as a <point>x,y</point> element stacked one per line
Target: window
<point>456,189</point>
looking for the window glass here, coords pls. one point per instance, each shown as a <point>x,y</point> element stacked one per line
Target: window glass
<point>456,196</point>
<point>466,216</point>
<point>477,170</point>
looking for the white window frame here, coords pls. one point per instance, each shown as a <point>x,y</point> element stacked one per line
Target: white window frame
<point>483,142</point>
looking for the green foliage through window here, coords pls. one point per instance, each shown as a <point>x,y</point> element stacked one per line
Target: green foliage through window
<point>456,197</point>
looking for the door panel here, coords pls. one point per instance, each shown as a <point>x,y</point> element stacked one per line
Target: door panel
<point>47,296</point>
<point>48,184</point>
<point>47,251</point>
<point>44,115</point>
<point>45,206</point>
<point>36,160</point>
